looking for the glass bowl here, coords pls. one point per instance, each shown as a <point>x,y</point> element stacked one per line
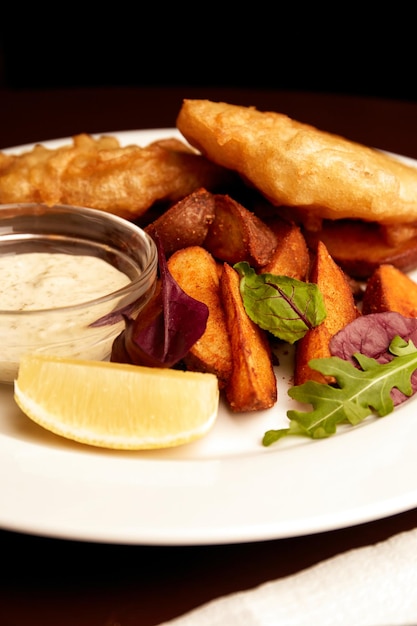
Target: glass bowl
<point>67,276</point>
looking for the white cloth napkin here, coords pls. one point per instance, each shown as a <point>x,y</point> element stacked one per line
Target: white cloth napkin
<point>371,586</point>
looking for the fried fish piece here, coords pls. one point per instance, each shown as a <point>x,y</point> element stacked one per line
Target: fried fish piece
<point>101,174</point>
<point>297,165</point>
<point>360,247</point>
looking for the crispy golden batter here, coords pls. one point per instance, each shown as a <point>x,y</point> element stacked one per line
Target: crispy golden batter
<point>294,164</point>
<point>101,174</point>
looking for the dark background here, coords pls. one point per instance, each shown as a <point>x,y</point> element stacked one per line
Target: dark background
<point>338,49</point>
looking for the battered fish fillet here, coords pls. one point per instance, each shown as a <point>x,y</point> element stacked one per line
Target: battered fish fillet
<point>296,165</point>
<point>101,174</point>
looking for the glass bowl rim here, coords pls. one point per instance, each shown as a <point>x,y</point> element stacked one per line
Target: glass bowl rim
<point>144,277</point>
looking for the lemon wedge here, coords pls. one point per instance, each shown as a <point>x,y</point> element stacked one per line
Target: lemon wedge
<point>114,405</point>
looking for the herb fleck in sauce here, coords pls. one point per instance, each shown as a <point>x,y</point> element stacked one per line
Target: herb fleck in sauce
<point>32,282</point>
<point>39,280</point>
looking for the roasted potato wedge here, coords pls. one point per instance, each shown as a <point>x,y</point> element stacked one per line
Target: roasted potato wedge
<point>237,234</point>
<point>291,256</point>
<point>186,223</point>
<point>196,272</point>
<point>252,385</point>
<point>389,289</point>
<point>340,308</point>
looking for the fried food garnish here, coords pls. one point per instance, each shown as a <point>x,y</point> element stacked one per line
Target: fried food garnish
<point>295,164</point>
<point>100,174</point>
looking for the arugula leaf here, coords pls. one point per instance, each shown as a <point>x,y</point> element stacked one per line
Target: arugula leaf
<point>284,306</point>
<point>371,335</point>
<point>360,392</point>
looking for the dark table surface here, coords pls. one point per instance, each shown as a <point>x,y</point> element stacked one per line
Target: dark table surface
<point>63,582</point>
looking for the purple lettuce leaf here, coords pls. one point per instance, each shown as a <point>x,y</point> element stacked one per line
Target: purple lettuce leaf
<point>371,335</point>
<point>171,333</point>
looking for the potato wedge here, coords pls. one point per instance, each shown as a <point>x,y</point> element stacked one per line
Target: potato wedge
<point>390,289</point>
<point>291,256</point>
<point>252,385</point>
<point>186,223</point>
<point>237,234</point>
<point>196,272</point>
<point>340,308</point>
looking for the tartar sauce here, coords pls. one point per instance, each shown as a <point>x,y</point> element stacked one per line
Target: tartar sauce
<point>39,280</point>
<point>32,282</point>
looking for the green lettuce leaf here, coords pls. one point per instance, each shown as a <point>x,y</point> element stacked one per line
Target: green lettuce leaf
<point>284,306</point>
<point>358,393</point>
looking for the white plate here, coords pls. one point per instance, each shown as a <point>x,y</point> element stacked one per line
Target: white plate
<point>225,488</point>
